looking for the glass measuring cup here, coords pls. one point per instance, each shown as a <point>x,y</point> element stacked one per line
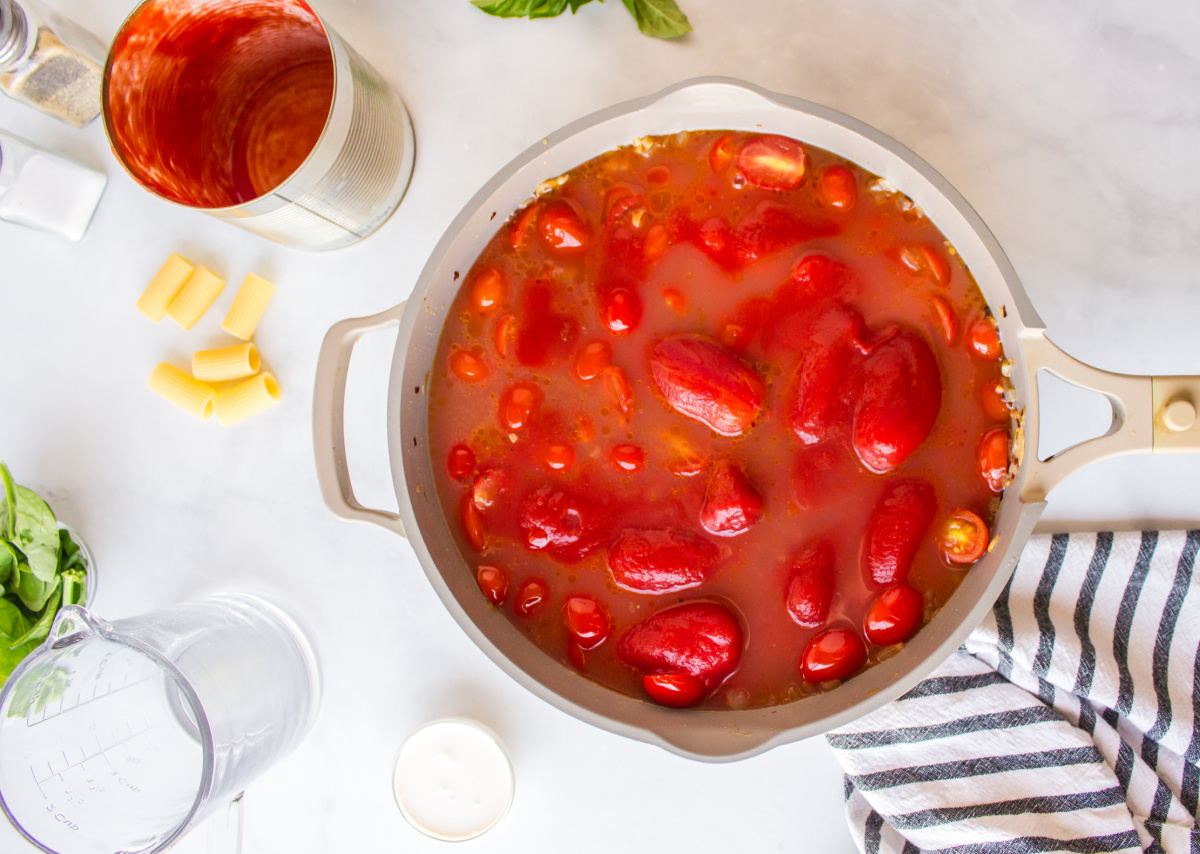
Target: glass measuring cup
<point>122,736</point>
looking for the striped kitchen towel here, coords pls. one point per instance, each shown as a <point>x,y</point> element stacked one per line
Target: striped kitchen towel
<point>1068,721</point>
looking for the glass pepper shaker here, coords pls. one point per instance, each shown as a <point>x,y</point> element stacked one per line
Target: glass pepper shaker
<point>49,62</point>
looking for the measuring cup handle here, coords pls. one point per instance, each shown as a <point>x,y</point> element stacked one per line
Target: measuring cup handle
<point>225,828</point>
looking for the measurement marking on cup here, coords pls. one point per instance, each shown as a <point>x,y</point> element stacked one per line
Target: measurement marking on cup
<point>87,758</point>
<point>102,754</point>
<point>47,717</point>
<point>37,782</point>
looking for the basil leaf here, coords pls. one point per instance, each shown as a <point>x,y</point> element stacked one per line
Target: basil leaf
<point>526,8</point>
<point>662,19</point>
<point>37,534</point>
<point>39,630</point>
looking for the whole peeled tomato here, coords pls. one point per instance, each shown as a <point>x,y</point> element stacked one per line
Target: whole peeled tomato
<point>566,526</point>
<point>983,339</point>
<point>489,485</point>
<point>460,462</point>
<point>702,640</point>
<point>731,503</point>
<point>894,616</point>
<point>811,584</point>
<point>833,654</point>
<point>591,360</point>
<point>721,153</point>
<point>468,366</point>
<point>621,311</point>
<point>488,290</point>
<point>519,403</point>
<point>661,561</point>
<point>707,382</point>
<point>900,399</point>
<point>563,229</point>
<point>894,531</point>
<point>676,690</point>
<point>530,596</point>
<point>993,458</point>
<point>839,188</point>
<point>544,335</point>
<point>493,583</point>
<point>818,276</point>
<point>769,229</point>
<point>586,620</point>
<point>814,405</point>
<point>472,523</point>
<point>828,376</point>
<point>628,458</point>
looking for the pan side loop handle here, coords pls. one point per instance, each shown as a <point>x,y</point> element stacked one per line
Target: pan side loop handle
<point>1149,414</point>
<point>329,419</point>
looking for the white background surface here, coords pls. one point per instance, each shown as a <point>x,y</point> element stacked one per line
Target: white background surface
<point>1074,129</point>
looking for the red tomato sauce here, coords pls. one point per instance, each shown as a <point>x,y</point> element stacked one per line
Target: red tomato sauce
<point>214,104</point>
<point>624,364</point>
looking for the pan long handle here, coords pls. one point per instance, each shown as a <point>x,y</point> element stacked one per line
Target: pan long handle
<point>1149,414</point>
<point>329,418</point>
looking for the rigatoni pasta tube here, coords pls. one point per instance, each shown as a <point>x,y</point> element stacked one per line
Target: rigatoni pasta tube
<point>199,292</point>
<point>247,398</point>
<point>248,307</point>
<point>163,287</point>
<point>227,363</point>
<point>183,390</point>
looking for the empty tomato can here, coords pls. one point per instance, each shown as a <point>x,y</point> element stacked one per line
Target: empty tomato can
<point>257,113</point>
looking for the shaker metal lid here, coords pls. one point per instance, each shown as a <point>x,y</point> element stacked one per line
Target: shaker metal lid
<point>12,32</point>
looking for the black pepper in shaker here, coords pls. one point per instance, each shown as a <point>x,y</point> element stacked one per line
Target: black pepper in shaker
<point>49,62</point>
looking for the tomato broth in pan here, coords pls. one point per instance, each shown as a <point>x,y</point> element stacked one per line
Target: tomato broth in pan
<point>719,419</point>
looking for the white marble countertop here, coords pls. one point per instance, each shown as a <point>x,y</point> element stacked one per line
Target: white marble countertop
<point>1073,130</point>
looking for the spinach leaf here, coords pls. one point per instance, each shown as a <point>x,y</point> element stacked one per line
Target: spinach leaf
<point>12,626</point>
<point>74,583</point>
<point>8,511</point>
<point>12,622</point>
<point>662,19</point>
<point>41,569</point>
<point>38,631</point>
<point>32,591</point>
<point>36,534</point>
<point>70,556</point>
<point>10,559</point>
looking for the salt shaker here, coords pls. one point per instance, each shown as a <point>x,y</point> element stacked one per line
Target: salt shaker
<point>49,62</point>
<point>43,190</point>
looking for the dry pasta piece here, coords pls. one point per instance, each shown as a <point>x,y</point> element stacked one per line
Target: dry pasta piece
<point>247,398</point>
<point>199,292</point>
<point>227,363</point>
<point>163,287</point>
<point>248,307</point>
<point>183,390</point>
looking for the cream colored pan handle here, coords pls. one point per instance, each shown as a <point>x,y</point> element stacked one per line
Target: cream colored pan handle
<point>1149,414</point>
<point>329,418</point>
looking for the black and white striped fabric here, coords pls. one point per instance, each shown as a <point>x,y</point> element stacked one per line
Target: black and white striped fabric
<point>1068,721</point>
